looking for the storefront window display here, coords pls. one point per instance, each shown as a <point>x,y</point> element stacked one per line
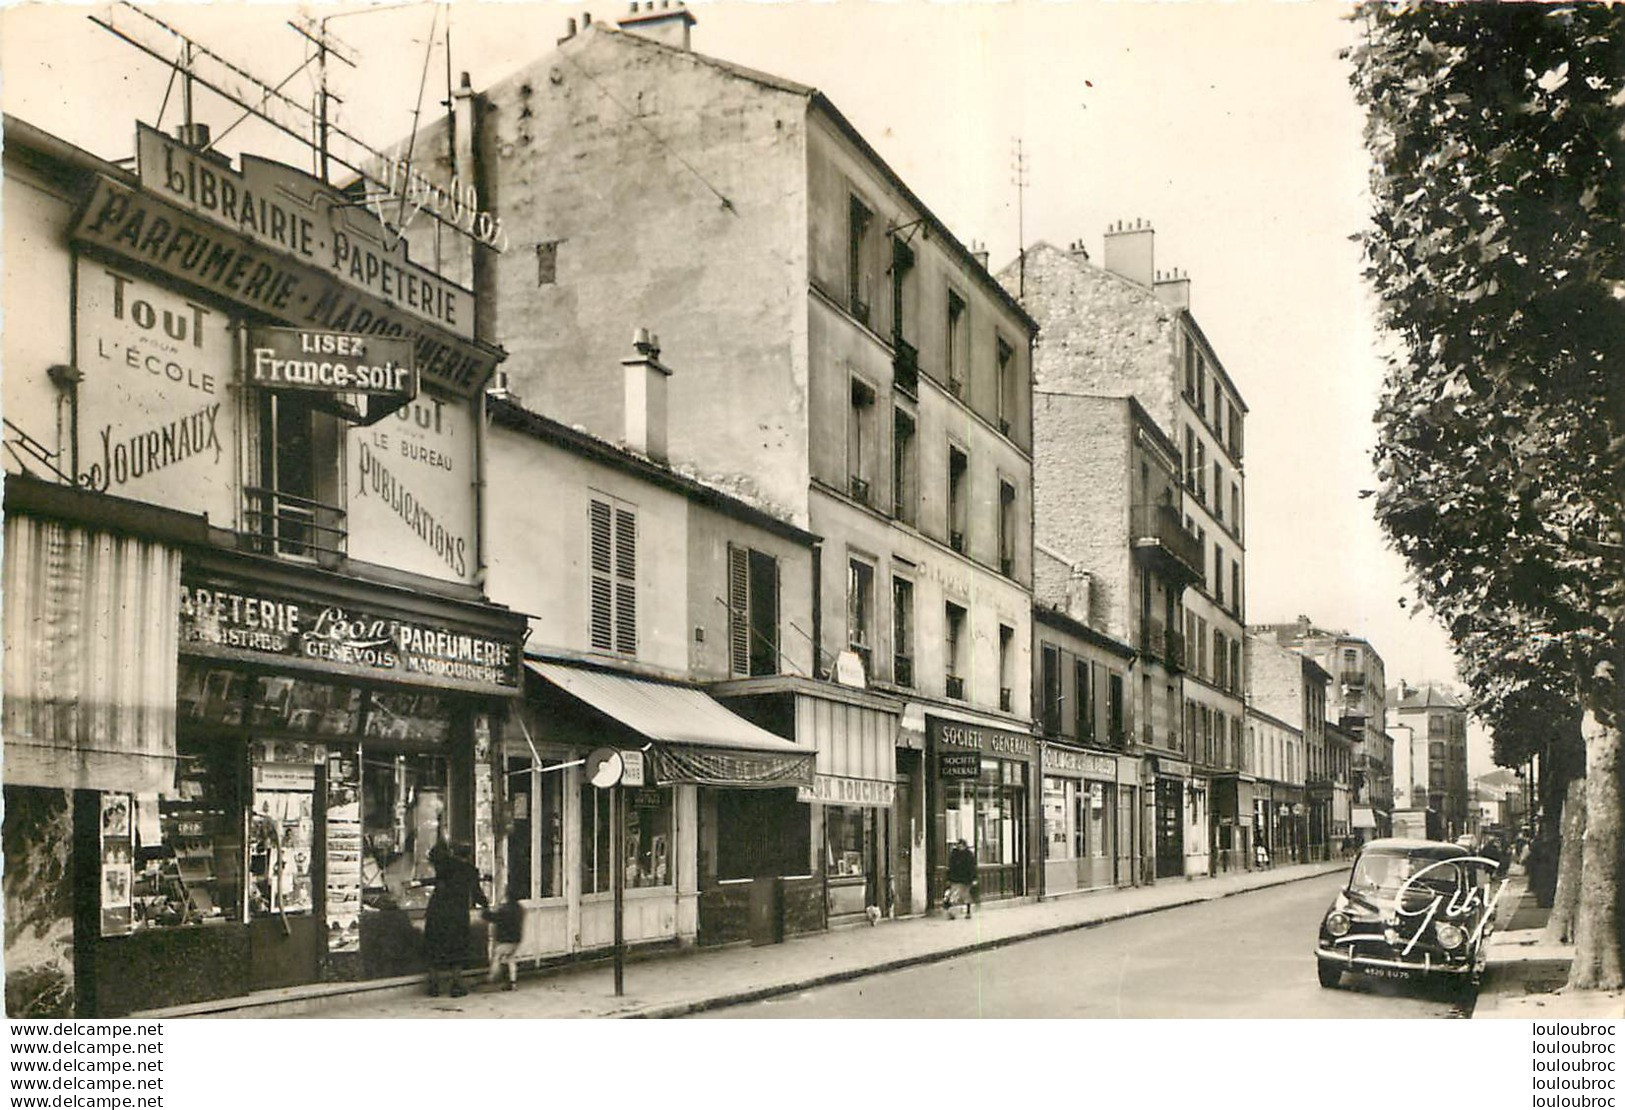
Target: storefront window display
<point>535,830</point>
<point>989,811</point>
<point>1096,803</point>
<point>1063,838</point>
<point>647,840</point>
<point>404,797</point>
<point>847,842</point>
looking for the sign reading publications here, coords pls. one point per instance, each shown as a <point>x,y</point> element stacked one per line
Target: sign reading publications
<point>330,362</point>
<point>240,621</point>
<point>157,421</point>
<point>409,500</point>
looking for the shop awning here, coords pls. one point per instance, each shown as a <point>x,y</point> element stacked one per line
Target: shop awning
<point>695,739</point>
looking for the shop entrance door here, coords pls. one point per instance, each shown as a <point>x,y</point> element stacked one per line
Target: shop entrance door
<point>903,845</point>
<point>1170,828</point>
<point>1126,797</point>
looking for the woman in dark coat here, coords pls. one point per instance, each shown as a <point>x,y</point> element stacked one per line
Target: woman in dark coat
<point>445,923</point>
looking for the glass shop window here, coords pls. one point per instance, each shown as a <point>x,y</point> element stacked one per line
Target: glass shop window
<point>1061,826</point>
<point>846,840</point>
<point>647,840</point>
<point>176,859</point>
<point>282,827</point>
<point>404,815</point>
<point>536,830</point>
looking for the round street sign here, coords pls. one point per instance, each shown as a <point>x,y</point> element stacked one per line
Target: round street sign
<point>604,767</point>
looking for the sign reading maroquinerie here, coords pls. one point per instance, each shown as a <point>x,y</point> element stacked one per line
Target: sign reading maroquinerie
<point>340,636</point>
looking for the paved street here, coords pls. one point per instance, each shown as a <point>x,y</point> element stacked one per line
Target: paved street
<point>1247,956</point>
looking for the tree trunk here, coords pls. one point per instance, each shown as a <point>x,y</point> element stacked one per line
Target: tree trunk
<point>1566,901</point>
<point>1597,942</point>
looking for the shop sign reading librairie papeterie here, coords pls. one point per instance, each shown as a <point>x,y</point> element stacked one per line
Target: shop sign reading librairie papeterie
<point>280,207</point>
<point>241,620</point>
<point>294,249</point>
<point>331,362</point>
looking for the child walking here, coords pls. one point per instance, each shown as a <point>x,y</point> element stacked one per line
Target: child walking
<point>507,928</point>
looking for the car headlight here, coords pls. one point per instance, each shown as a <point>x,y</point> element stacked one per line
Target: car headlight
<point>1337,924</point>
<point>1448,935</point>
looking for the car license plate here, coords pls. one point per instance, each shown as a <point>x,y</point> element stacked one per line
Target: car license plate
<point>1387,972</point>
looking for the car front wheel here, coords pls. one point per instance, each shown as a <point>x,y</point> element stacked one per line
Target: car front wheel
<point>1330,974</point>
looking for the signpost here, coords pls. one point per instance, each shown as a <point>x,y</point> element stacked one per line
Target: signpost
<point>609,769</point>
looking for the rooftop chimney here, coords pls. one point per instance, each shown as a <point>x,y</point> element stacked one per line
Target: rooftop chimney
<point>978,251</point>
<point>1173,288</point>
<point>668,24</point>
<point>645,393</point>
<point>569,29</point>
<point>1079,584</point>
<point>1129,251</point>
<point>1078,250</point>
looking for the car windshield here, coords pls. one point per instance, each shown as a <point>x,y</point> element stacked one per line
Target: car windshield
<point>1384,873</point>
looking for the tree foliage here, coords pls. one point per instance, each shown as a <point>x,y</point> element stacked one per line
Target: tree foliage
<point>1495,132</point>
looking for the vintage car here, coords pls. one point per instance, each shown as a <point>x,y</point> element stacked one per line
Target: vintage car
<point>1411,909</point>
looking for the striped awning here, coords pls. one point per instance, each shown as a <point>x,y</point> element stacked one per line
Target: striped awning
<point>90,658</point>
<point>694,738</point>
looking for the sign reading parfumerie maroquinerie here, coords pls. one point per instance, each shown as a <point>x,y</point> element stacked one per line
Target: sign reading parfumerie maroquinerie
<point>240,620</point>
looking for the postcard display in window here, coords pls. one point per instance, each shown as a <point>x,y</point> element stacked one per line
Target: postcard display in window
<point>282,828</point>
<point>343,851</point>
<point>117,849</point>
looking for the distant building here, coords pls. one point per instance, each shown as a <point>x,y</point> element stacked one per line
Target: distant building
<point>1291,687</point>
<point>1356,702</point>
<point>1122,330</point>
<point>1435,722</point>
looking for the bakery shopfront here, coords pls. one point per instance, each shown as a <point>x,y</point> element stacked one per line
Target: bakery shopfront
<point>980,790</point>
<point>1090,801</point>
<point>328,734</point>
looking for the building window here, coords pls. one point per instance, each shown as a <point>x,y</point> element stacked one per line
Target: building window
<point>284,507</point>
<point>1201,649</point>
<point>1219,668</point>
<point>1235,670</point>
<point>902,264</point>
<point>1190,459</point>
<point>1235,507</point>
<point>860,610</point>
<point>1083,718</point>
<point>1007,529</point>
<point>1007,669</point>
<point>1235,587</point>
<point>958,497</point>
<point>953,637</point>
<point>1004,356</point>
<point>614,601</point>
<point>905,474</point>
<point>955,343</point>
<point>547,262</point>
<point>860,442</point>
<point>859,278</point>
<point>1190,368</point>
<point>1201,385</point>
<point>902,631</point>
<point>1201,472</point>
<point>1218,497</point>
<point>646,843</point>
<point>1218,573</point>
<point>753,612</point>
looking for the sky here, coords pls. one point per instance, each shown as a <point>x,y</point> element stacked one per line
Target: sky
<point>1229,127</point>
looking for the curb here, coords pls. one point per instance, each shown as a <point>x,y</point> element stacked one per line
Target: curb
<point>758,994</point>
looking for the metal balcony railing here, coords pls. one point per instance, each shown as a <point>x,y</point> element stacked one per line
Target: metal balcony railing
<point>902,669</point>
<point>1160,535</point>
<point>956,687</point>
<point>285,524</point>
<point>905,366</point>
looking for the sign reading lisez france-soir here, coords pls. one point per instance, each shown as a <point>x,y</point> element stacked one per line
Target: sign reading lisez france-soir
<point>281,207</point>
<point>330,362</point>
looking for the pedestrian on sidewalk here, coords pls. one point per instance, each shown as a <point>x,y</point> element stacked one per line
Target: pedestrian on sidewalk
<point>446,922</point>
<point>507,930</point>
<point>961,878</point>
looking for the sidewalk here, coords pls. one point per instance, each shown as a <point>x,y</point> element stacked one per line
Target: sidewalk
<point>1524,976</point>
<point>691,980</point>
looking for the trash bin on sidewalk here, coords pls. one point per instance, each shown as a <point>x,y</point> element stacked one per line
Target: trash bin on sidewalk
<point>766,911</point>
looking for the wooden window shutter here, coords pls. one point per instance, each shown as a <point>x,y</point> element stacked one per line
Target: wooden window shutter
<point>738,610</point>
<point>602,611</point>
<point>626,587</point>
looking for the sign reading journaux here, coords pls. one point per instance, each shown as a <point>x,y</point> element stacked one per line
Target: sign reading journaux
<point>331,362</point>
